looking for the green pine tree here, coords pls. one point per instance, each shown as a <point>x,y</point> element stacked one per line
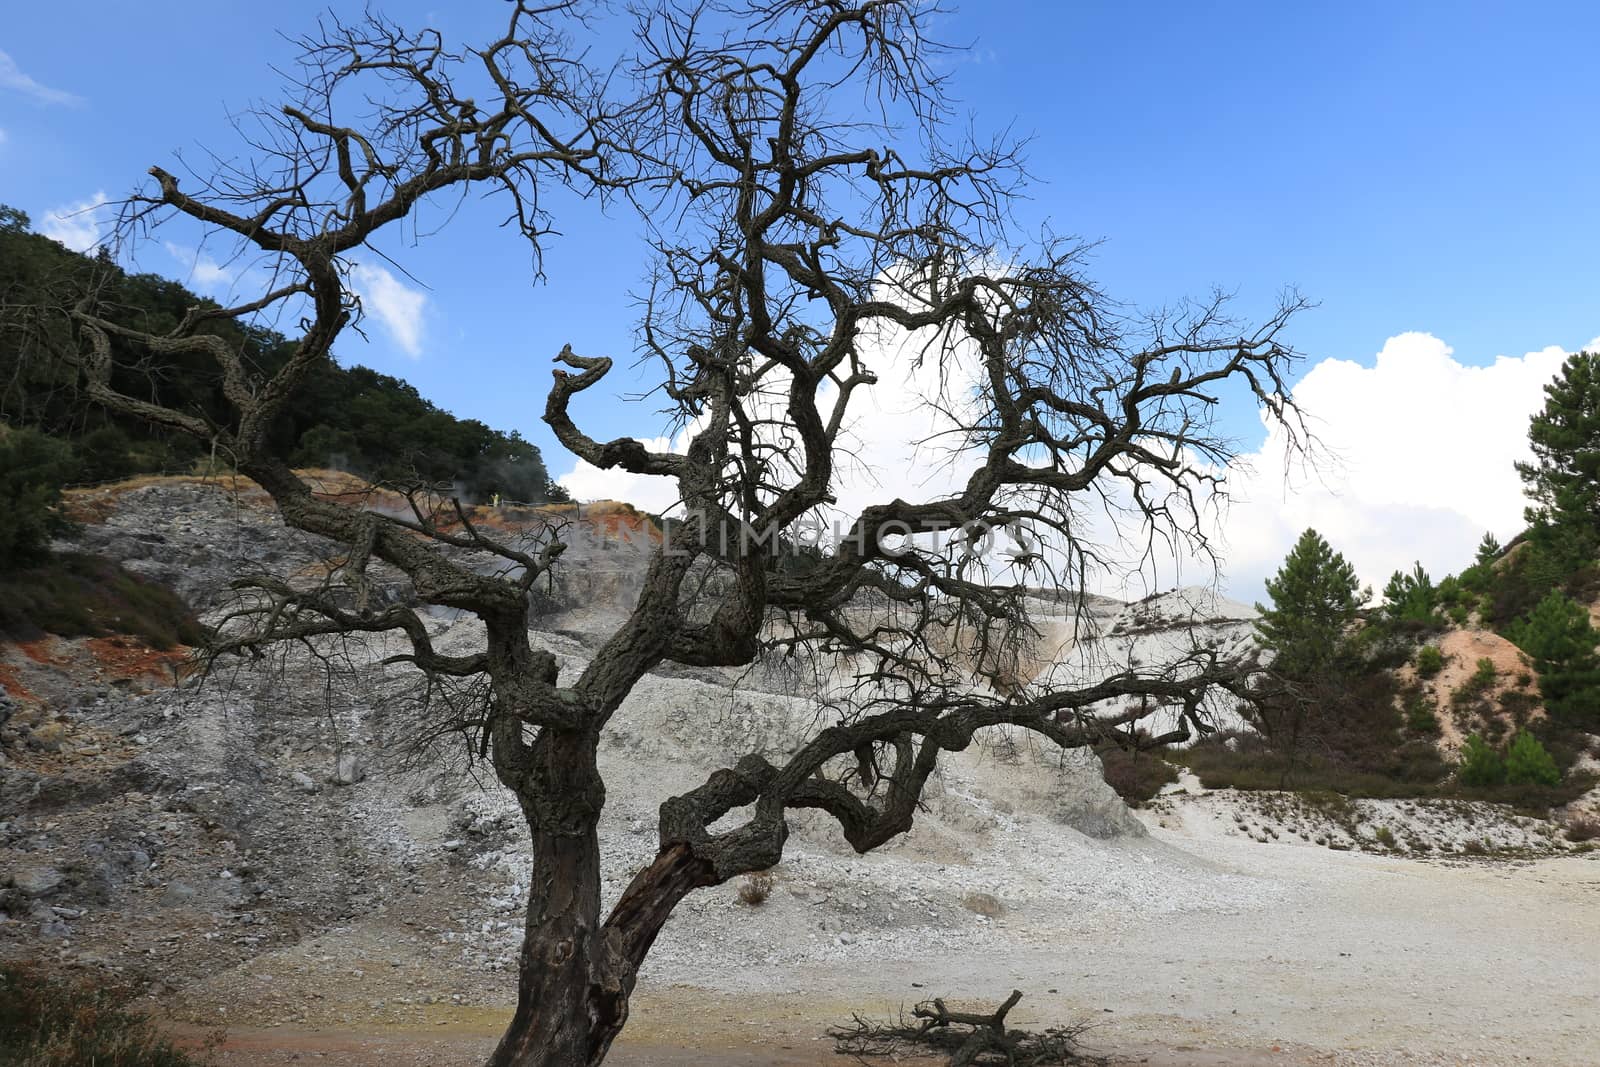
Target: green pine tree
<point>1527,762</point>
<point>1481,765</point>
<point>1315,596</point>
<point>1488,550</point>
<point>1561,640</point>
<point>1564,479</point>
<point>1410,596</point>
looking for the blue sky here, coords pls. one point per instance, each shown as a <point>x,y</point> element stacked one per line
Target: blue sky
<point>1410,166</point>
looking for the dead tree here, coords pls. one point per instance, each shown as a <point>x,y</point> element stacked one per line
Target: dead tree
<point>790,238</point>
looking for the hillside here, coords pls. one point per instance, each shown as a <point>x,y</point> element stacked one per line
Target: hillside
<point>346,416</point>
<point>268,848</point>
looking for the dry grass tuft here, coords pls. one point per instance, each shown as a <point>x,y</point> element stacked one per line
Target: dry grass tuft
<point>755,888</point>
<point>49,1020</point>
<point>1582,828</point>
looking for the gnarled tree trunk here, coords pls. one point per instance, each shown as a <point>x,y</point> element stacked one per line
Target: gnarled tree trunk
<point>575,973</point>
<point>568,978</point>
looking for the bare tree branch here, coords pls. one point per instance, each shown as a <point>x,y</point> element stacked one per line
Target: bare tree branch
<point>792,244</point>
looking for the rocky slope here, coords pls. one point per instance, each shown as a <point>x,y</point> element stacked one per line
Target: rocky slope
<point>173,831</point>
<point>266,846</point>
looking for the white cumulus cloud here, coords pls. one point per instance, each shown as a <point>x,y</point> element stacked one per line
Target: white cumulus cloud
<point>1419,451</point>
<point>397,306</point>
<point>79,226</point>
<point>15,79</point>
<point>1422,449</point>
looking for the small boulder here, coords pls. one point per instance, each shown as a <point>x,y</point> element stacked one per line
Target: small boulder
<point>303,782</point>
<point>348,771</point>
<point>982,904</point>
<point>1082,800</point>
<point>55,929</point>
<point>177,894</point>
<point>48,736</point>
<point>37,881</point>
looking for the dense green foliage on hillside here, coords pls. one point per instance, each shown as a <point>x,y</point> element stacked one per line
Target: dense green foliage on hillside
<point>74,595</point>
<point>1558,636</point>
<point>33,467</point>
<point>353,418</point>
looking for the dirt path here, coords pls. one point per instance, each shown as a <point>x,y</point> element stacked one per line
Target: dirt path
<point>469,1050</point>
<point>1373,961</point>
<point>467,1045</point>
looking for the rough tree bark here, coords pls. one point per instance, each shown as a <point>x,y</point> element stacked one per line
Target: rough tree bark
<point>788,241</point>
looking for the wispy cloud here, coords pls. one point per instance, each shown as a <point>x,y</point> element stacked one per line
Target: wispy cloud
<point>205,273</point>
<point>396,306</point>
<point>14,78</point>
<point>79,226</point>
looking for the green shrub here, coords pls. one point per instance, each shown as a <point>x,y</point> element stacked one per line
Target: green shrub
<point>1136,776</point>
<point>1430,661</point>
<point>1583,583</point>
<point>1480,764</point>
<point>1534,798</point>
<point>47,1020</point>
<point>1475,686</point>
<point>1416,763</point>
<point>75,595</point>
<point>33,468</point>
<point>1476,579</point>
<point>1412,770</point>
<point>1527,762</point>
<point>105,455</point>
<point>1421,719</point>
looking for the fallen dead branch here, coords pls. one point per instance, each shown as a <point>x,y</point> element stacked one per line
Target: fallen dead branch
<point>968,1038</point>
